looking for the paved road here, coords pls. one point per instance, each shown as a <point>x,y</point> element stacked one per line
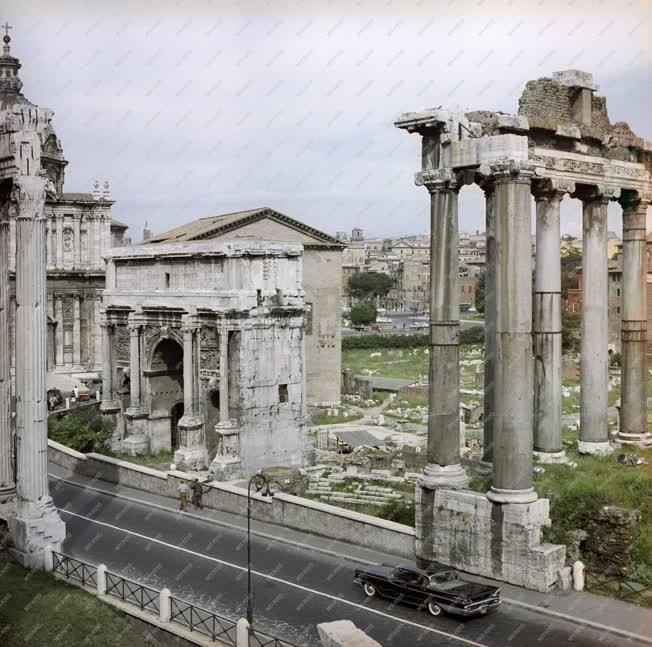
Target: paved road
<point>294,589</point>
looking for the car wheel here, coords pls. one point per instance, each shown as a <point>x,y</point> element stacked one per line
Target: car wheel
<point>434,609</point>
<point>369,589</point>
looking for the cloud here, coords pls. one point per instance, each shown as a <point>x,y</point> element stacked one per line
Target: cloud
<point>195,108</point>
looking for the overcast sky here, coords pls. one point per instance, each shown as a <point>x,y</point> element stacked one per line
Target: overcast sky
<point>197,108</point>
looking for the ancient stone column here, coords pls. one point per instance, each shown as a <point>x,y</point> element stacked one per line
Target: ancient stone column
<point>109,404</point>
<point>633,396</point>
<point>512,457</point>
<point>37,521</point>
<point>489,328</point>
<point>7,482</point>
<point>548,447</point>
<point>192,452</point>
<point>594,429</point>
<point>134,367</point>
<point>443,468</point>
<point>224,375</point>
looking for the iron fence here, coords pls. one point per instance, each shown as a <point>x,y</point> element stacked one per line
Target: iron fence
<point>130,591</point>
<point>619,587</point>
<point>257,639</point>
<point>203,621</point>
<point>74,569</point>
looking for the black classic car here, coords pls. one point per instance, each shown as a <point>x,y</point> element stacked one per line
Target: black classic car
<point>434,590</point>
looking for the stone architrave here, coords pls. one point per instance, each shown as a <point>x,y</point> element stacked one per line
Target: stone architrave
<point>36,523</point>
<point>594,360</point>
<point>7,482</point>
<point>443,468</point>
<point>512,458</point>
<point>548,195</point>
<point>633,393</point>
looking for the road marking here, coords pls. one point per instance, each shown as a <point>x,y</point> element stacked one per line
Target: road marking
<point>276,579</point>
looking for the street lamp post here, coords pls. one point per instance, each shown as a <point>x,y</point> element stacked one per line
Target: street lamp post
<point>260,482</point>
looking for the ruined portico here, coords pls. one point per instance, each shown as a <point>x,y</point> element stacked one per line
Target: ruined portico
<point>204,354</point>
<point>561,143</point>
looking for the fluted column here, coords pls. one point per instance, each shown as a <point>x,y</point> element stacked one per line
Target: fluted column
<point>77,241</point>
<point>443,466</point>
<point>512,457</point>
<point>58,315</point>
<point>134,367</point>
<point>76,330</point>
<point>633,396</point>
<point>594,429</point>
<point>109,403</point>
<point>59,241</point>
<point>547,321</point>
<point>224,375</point>
<point>489,327</point>
<point>188,378</point>
<point>7,482</point>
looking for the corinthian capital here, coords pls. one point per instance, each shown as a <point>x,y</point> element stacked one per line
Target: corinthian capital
<point>29,196</point>
<point>597,193</point>
<point>441,179</point>
<point>504,170</point>
<point>551,188</point>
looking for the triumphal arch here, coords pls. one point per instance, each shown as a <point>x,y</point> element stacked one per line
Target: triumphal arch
<point>203,349</point>
<point>561,143</point>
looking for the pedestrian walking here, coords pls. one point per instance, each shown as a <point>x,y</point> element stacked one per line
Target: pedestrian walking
<point>197,493</point>
<point>184,490</point>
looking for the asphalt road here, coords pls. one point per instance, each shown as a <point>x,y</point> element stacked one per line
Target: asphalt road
<point>294,589</point>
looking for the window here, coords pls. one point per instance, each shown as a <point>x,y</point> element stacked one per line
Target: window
<point>308,319</point>
<point>618,292</point>
<point>282,392</point>
<point>167,279</point>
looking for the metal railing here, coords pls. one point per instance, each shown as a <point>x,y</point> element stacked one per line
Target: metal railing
<point>130,591</point>
<point>183,613</point>
<point>257,639</point>
<point>203,621</point>
<point>619,587</point>
<point>74,569</point>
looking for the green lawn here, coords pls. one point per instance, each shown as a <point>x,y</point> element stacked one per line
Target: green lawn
<point>322,419</point>
<point>36,610</point>
<point>163,458</point>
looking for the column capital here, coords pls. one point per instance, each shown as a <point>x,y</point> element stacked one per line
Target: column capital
<point>29,196</point>
<point>508,170</point>
<point>599,193</point>
<point>134,328</point>
<point>551,189</point>
<point>435,180</point>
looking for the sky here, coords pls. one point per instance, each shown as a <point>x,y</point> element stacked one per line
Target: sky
<point>192,108</point>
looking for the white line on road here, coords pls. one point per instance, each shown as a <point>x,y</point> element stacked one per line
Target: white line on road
<point>277,579</point>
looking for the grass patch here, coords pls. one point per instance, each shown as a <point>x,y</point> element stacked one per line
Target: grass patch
<point>40,611</point>
<point>322,418</point>
<point>148,460</point>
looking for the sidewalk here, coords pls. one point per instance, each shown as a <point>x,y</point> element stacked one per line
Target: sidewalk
<point>583,608</point>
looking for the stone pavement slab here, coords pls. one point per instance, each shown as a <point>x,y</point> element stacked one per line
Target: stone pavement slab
<point>608,614</point>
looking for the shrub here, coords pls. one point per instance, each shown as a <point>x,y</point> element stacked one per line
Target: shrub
<point>84,430</point>
<point>615,359</point>
<point>474,335</point>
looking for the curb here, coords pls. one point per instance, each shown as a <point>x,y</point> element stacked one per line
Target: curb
<point>516,603</point>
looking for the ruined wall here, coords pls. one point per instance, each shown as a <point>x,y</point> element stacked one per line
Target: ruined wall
<point>547,99</point>
<point>272,408</point>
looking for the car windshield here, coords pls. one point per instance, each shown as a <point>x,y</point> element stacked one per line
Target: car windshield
<point>445,581</point>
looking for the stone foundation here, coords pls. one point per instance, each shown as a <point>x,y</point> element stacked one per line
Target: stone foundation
<point>465,530</point>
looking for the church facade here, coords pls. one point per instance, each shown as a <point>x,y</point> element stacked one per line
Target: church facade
<point>80,230</point>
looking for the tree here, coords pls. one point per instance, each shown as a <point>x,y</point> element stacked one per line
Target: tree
<point>363,314</point>
<point>365,286</point>
<point>571,267</point>
<point>571,323</point>
<point>479,293</point>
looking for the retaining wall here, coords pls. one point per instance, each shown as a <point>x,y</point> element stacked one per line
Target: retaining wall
<point>282,509</point>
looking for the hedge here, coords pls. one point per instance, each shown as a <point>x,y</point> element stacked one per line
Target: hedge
<point>473,335</point>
